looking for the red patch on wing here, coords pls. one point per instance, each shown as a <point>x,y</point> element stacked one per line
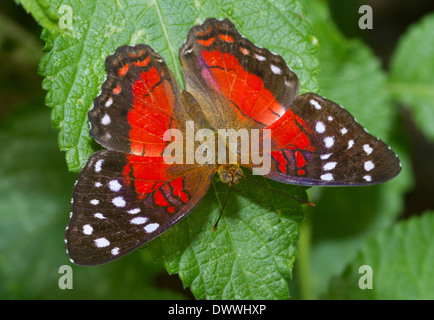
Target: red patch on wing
<point>299,158</point>
<point>148,176</point>
<point>244,51</point>
<point>151,114</point>
<point>117,89</point>
<point>200,34</point>
<point>289,136</point>
<point>177,186</point>
<point>145,174</point>
<point>289,132</point>
<point>158,185</point>
<point>279,157</point>
<point>226,38</point>
<point>245,90</point>
<point>123,71</point>
<point>160,200</point>
<point>137,54</point>
<point>142,63</point>
<point>206,43</point>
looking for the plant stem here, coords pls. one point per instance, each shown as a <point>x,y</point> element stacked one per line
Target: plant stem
<point>304,246</point>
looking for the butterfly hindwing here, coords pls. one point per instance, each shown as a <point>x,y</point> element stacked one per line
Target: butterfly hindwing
<point>122,201</point>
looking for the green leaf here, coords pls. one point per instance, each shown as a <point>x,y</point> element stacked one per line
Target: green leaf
<point>401,259</point>
<point>411,79</point>
<point>250,256</point>
<point>74,64</point>
<point>41,11</point>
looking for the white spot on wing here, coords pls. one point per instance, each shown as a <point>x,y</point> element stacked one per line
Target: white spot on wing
<point>139,220</point>
<point>109,102</point>
<point>260,58</point>
<point>367,149</point>
<point>275,69</point>
<point>327,177</point>
<point>320,127</point>
<point>315,104</point>
<point>106,120</point>
<point>115,251</point>
<point>99,215</point>
<point>87,229</point>
<point>151,227</point>
<point>98,165</point>
<point>119,202</point>
<point>329,166</point>
<point>350,144</point>
<point>369,165</point>
<point>134,211</point>
<point>367,178</point>
<point>325,156</point>
<point>102,242</point>
<point>329,142</point>
<point>114,185</point>
<point>94,202</point>
<point>344,131</point>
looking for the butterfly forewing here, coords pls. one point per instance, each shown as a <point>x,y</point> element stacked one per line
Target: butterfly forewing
<point>318,142</point>
<point>251,86</point>
<point>139,101</point>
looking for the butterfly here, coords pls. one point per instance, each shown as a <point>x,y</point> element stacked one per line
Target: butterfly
<point>127,194</point>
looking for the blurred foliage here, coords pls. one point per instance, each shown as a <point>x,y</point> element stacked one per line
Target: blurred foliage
<point>349,227</point>
<point>411,77</point>
<point>401,259</point>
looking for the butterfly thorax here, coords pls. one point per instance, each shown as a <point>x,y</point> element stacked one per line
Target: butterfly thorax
<point>230,173</point>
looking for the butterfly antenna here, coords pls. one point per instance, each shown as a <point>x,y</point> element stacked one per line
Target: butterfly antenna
<point>223,208</point>
<point>279,192</point>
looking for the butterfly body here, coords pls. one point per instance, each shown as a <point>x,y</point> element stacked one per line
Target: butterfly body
<point>130,193</point>
<point>230,174</point>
